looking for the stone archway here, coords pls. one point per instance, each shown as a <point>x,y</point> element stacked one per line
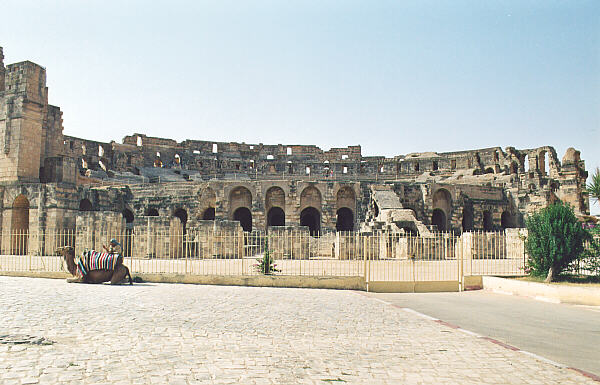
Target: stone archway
<point>442,208</point>
<point>275,206</point>
<point>310,197</point>
<point>311,217</point>
<point>207,204</point>
<point>240,204</point>
<point>345,204</point>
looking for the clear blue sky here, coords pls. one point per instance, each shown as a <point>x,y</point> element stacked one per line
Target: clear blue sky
<point>393,76</point>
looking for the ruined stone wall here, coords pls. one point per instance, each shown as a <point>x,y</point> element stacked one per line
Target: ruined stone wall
<point>23,107</point>
<point>187,183</point>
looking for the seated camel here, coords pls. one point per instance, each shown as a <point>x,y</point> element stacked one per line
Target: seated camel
<point>85,271</point>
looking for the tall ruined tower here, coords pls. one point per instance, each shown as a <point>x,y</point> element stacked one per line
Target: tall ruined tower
<point>23,111</point>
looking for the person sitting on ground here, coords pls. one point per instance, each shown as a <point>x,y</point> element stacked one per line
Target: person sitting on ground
<point>114,247</point>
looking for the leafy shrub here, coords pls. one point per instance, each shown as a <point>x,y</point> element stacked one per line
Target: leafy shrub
<point>555,239</point>
<point>591,255</point>
<point>266,265</point>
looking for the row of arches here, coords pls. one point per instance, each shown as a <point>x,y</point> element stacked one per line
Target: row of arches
<point>442,207</point>
<point>240,204</point>
<point>240,201</point>
<point>507,220</point>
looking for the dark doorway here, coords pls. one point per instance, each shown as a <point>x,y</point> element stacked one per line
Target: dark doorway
<point>467,218</point>
<point>345,220</point>
<point>488,223</point>
<point>311,218</point>
<point>85,205</point>
<point>438,218</point>
<point>506,220</point>
<point>276,217</point>
<point>243,215</point>
<point>209,214</point>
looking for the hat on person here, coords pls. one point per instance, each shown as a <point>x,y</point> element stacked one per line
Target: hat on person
<point>115,242</point>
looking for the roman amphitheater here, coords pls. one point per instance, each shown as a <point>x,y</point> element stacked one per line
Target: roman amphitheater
<point>54,182</point>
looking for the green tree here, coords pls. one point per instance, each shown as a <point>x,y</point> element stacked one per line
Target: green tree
<point>555,238</point>
<point>594,186</point>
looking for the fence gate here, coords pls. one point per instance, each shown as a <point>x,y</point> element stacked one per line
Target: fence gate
<point>405,263</point>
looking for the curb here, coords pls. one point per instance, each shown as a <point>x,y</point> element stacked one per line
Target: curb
<point>544,292</point>
<point>584,373</point>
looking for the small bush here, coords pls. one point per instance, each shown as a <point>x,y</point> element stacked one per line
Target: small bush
<point>266,265</point>
<point>555,239</point>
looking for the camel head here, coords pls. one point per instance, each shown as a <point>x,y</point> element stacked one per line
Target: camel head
<point>68,253</point>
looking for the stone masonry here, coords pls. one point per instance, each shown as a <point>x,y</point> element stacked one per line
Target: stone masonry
<point>48,179</point>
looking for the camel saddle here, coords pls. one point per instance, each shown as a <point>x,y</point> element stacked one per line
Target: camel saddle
<point>96,260</point>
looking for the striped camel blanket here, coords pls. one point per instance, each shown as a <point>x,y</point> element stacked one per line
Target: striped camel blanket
<point>96,260</point>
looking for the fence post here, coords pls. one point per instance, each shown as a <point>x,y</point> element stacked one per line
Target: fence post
<point>365,258</point>
<point>459,258</point>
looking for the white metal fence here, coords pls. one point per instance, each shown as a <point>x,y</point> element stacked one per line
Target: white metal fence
<point>376,257</point>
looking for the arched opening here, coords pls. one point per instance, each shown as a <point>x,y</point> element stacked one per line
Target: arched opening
<point>85,205</point>
<point>244,216</point>
<point>128,240</point>
<point>442,201</point>
<point>208,202</point>
<point>178,240</point>
<point>209,214</point>
<point>310,203</point>
<point>438,219</point>
<point>311,217</point>
<point>151,212</point>
<point>275,198</point>
<point>20,225</point>
<point>275,217</point>
<point>183,217</point>
<point>240,197</point>
<point>375,209</point>
<point>488,223</point>
<point>467,218</point>
<point>507,220</point>
<point>345,220</point>
<point>526,163</point>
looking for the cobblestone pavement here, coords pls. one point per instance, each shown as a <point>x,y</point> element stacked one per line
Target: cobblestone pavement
<point>189,334</point>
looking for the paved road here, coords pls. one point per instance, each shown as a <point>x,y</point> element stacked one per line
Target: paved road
<point>564,333</point>
<point>192,334</point>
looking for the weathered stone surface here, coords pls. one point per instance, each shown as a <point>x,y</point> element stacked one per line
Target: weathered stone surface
<point>257,184</point>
